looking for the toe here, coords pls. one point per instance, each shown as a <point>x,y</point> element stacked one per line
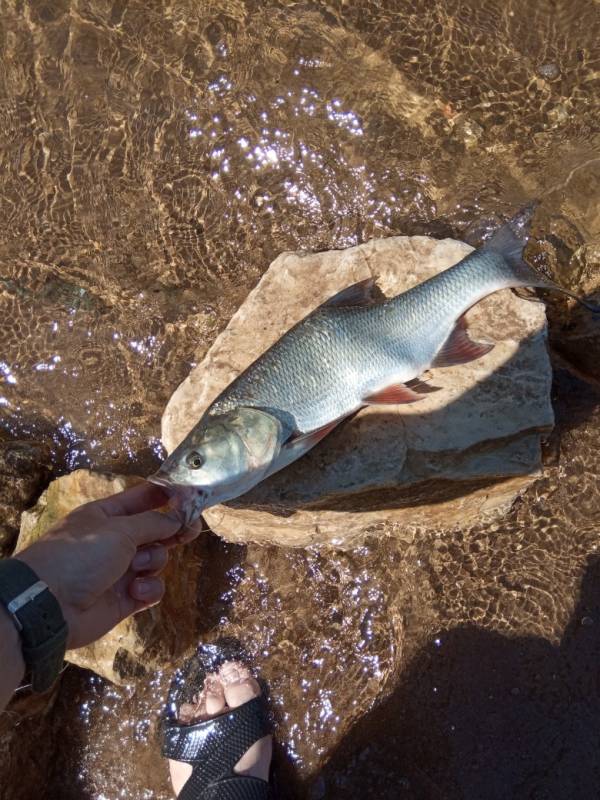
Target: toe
<point>187,712</point>
<point>214,697</point>
<point>239,692</point>
<point>238,684</point>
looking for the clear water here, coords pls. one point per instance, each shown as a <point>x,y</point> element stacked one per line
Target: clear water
<point>154,159</point>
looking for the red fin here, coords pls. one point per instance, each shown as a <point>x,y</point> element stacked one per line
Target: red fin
<point>359,294</point>
<point>393,395</point>
<point>422,387</point>
<point>459,348</point>
<point>313,437</point>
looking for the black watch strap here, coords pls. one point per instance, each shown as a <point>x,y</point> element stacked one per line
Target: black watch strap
<point>38,618</point>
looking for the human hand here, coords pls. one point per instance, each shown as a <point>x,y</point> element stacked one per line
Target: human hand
<point>103,560</point>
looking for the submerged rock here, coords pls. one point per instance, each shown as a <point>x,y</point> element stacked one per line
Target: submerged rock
<point>151,639</point>
<point>468,131</point>
<point>462,453</point>
<point>575,329</point>
<point>23,472</point>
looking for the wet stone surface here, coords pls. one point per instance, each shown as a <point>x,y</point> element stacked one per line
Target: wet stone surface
<point>24,471</point>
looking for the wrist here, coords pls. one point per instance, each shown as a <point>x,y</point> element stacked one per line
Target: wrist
<point>13,664</point>
<point>37,622</point>
<point>39,561</point>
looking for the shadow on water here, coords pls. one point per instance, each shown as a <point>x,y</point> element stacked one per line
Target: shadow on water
<point>481,715</point>
<point>478,714</point>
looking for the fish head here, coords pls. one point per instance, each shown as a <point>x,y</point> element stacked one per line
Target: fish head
<point>222,457</point>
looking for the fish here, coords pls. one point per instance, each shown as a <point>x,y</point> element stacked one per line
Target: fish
<point>351,352</point>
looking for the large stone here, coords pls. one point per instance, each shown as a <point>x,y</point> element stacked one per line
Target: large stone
<point>460,454</point>
<point>24,469</point>
<point>149,640</point>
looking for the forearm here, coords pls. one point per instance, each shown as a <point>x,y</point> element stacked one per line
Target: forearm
<point>12,668</point>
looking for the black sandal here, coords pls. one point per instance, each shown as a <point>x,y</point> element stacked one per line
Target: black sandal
<point>213,747</point>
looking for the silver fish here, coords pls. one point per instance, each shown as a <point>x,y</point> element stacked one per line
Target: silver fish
<point>349,353</point>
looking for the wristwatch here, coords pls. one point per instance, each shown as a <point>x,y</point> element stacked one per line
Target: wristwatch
<point>38,617</point>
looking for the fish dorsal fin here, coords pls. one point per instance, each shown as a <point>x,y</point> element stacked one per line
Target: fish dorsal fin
<point>359,294</point>
<point>459,348</point>
<point>393,395</point>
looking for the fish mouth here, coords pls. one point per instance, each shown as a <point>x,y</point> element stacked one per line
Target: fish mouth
<point>188,501</point>
<point>160,481</point>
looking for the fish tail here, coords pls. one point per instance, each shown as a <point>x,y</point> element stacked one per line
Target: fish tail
<point>509,241</point>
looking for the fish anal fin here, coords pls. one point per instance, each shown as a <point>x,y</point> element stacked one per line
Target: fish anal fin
<point>459,348</point>
<point>393,395</point>
<point>359,294</point>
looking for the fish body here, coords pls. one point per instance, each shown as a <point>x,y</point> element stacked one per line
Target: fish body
<point>349,353</point>
<point>325,367</point>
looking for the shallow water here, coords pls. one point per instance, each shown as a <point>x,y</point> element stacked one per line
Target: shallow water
<point>154,159</point>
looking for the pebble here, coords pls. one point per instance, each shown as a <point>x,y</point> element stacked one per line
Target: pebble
<point>468,130</point>
<point>549,71</point>
<point>558,114</point>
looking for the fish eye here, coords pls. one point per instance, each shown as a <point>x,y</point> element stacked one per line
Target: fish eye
<point>194,460</point>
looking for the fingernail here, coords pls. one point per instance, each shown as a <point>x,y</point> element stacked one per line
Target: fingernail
<point>141,559</point>
<point>144,587</point>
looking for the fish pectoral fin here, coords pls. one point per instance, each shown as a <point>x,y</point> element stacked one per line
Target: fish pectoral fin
<point>359,294</point>
<point>311,438</point>
<point>459,348</point>
<point>393,395</point>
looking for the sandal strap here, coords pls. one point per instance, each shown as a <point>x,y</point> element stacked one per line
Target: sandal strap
<point>214,747</point>
<point>240,787</point>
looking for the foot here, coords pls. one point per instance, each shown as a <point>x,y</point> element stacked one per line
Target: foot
<point>230,687</point>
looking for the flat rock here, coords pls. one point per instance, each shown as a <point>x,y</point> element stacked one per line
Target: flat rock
<point>150,640</point>
<point>460,454</point>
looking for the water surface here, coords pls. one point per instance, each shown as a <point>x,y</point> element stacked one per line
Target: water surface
<point>155,157</point>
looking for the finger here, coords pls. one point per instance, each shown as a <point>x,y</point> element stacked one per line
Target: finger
<point>115,605</point>
<point>142,497</point>
<point>146,592</point>
<point>186,534</point>
<point>190,532</point>
<point>136,593</point>
<point>147,527</point>
<point>151,559</point>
